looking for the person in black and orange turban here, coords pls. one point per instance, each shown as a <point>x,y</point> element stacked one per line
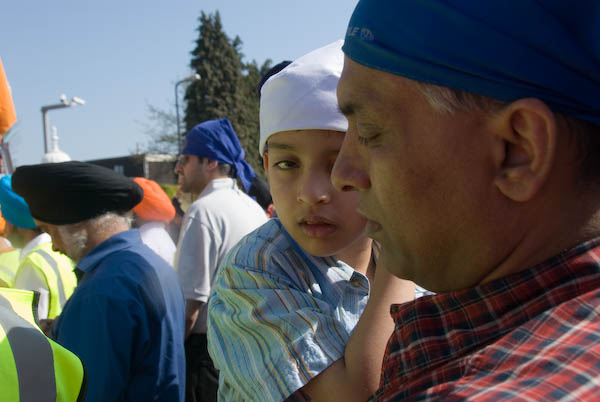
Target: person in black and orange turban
<point>127,312</point>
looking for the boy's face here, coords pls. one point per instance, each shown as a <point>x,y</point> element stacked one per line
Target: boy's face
<point>320,218</point>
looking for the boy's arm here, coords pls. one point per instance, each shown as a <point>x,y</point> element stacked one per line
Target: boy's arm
<point>355,377</point>
<point>269,334</point>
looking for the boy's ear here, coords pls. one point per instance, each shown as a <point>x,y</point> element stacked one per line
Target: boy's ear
<point>528,132</point>
<point>266,163</point>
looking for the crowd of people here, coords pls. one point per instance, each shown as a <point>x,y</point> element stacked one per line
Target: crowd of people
<point>429,229</point>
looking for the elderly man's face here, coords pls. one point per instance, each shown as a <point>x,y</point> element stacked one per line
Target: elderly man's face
<point>425,179</point>
<point>72,243</point>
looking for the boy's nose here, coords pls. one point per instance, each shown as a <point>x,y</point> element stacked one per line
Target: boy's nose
<point>315,190</point>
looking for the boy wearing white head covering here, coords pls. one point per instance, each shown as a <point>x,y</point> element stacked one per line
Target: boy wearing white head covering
<point>291,313</point>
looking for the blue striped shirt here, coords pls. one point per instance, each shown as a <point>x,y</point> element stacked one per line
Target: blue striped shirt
<point>279,316</point>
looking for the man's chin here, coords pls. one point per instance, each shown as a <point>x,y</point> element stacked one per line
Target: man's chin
<point>393,263</point>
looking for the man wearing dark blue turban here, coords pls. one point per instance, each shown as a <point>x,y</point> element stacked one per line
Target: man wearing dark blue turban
<point>474,143</point>
<point>210,161</point>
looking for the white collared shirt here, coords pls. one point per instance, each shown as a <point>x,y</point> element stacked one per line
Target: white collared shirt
<point>155,236</point>
<point>211,226</point>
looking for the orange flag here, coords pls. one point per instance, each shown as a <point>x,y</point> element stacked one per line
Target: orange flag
<point>8,117</point>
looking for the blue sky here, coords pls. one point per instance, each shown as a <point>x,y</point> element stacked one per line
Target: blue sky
<point>120,56</point>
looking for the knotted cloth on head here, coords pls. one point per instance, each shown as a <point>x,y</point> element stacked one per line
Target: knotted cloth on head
<point>302,96</point>
<point>503,49</point>
<point>70,192</point>
<point>14,208</point>
<point>216,140</point>
<point>156,204</point>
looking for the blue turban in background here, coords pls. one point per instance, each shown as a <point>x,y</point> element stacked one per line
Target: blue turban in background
<point>14,208</point>
<point>503,49</point>
<point>216,140</point>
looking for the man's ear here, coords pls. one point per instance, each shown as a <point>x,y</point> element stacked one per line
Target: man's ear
<point>211,164</point>
<point>528,131</point>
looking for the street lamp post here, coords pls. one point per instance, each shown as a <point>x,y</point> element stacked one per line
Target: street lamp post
<point>63,104</point>
<point>194,77</point>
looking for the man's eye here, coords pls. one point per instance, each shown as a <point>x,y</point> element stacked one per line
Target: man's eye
<point>367,140</point>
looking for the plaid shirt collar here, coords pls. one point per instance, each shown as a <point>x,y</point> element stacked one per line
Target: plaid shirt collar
<point>435,329</point>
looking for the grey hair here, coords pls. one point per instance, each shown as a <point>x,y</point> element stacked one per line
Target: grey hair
<point>449,101</point>
<point>102,222</point>
<point>75,239</point>
<point>76,236</point>
<point>110,218</point>
<point>586,135</point>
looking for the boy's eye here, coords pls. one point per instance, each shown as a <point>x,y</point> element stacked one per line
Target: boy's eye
<point>285,165</point>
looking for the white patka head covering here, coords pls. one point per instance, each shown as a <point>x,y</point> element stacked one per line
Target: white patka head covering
<point>302,96</point>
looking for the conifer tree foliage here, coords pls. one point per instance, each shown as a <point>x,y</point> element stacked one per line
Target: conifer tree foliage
<point>227,87</point>
<point>249,132</point>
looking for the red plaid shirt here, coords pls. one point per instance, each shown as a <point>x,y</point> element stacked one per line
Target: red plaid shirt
<point>531,336</point>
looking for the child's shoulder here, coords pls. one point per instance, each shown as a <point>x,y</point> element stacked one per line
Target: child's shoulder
<point>265,248</point>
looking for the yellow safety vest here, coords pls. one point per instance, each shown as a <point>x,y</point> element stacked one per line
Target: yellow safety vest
<point>32,366</point>
<point>58,272</point>
<point>9,263</point>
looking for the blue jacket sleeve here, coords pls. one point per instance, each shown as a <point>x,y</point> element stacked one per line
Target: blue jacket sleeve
<point>100,330</point>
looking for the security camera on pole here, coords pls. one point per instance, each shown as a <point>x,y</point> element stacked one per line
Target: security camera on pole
<point>64,103</point>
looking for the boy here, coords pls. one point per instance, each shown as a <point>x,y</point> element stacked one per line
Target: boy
<point>290,317</point>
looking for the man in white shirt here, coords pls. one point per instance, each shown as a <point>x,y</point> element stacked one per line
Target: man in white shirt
<point>209,164</point>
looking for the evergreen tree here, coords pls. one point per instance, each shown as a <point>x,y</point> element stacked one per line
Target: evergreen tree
<point>223,90</point>
<point>218,61</point>
<point>249,132</point>
<point>227,88</point>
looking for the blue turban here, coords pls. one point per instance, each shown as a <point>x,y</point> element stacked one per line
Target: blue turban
<point>216,140</point>
<point>503,49</point>
<point>14,208</point>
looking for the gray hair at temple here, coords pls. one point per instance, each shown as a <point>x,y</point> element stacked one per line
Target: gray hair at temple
<point>76,235</point>
<point>585,134</point>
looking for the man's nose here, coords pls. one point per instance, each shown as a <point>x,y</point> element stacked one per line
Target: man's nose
<point>348,171</point>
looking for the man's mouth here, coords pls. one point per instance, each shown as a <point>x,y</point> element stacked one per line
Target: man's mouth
<point>372,226</point>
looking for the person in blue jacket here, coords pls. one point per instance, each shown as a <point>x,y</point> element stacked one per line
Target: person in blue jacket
<point>125,319</point>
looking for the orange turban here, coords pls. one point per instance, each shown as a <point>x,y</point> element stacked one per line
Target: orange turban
<point>156,205</point>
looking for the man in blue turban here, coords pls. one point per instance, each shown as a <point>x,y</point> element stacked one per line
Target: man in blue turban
<point>210,162</point>
<point>474,143</point>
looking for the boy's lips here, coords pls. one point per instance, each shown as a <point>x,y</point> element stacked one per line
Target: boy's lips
<point>317,226</point>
